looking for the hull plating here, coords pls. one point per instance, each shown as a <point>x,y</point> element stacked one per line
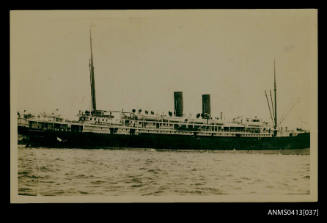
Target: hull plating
<point>39,138</point>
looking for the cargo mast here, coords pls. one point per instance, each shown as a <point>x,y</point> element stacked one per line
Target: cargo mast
<point>275,94</point>
<point>92,77</point>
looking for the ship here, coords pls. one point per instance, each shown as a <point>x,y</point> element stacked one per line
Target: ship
<point>96,128</point>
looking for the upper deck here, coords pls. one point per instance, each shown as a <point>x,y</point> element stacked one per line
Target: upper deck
<point>117,122</point>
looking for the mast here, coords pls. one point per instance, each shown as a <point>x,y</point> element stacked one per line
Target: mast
<point>270,110</point>
<point>272,106</point>
<point>275,92</point>
<point>92,82</point>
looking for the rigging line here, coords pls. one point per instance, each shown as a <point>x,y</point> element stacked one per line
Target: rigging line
<point>287,113</point>
<point>270,112</point>
<point>272,106</point>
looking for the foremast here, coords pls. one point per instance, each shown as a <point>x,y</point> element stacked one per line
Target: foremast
<point>92,82</point>
<point>275,104</point>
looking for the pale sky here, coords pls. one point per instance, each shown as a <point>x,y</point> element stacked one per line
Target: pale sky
<point>142,57</point>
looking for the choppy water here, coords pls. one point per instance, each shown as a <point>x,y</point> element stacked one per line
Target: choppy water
<point>51,172</point>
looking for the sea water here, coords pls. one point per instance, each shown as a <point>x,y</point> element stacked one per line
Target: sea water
<point>116,172</point>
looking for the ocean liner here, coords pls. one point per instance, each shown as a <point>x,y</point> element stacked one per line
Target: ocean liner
<point>145,129</point>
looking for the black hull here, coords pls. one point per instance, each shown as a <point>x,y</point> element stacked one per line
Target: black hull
<point>39,138</point>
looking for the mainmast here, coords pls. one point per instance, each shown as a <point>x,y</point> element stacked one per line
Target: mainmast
<point>273,107</point>
<point>275,92</point>
<point>92,77</point>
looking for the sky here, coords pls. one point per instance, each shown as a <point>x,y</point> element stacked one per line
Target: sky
<point>142,56</point>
